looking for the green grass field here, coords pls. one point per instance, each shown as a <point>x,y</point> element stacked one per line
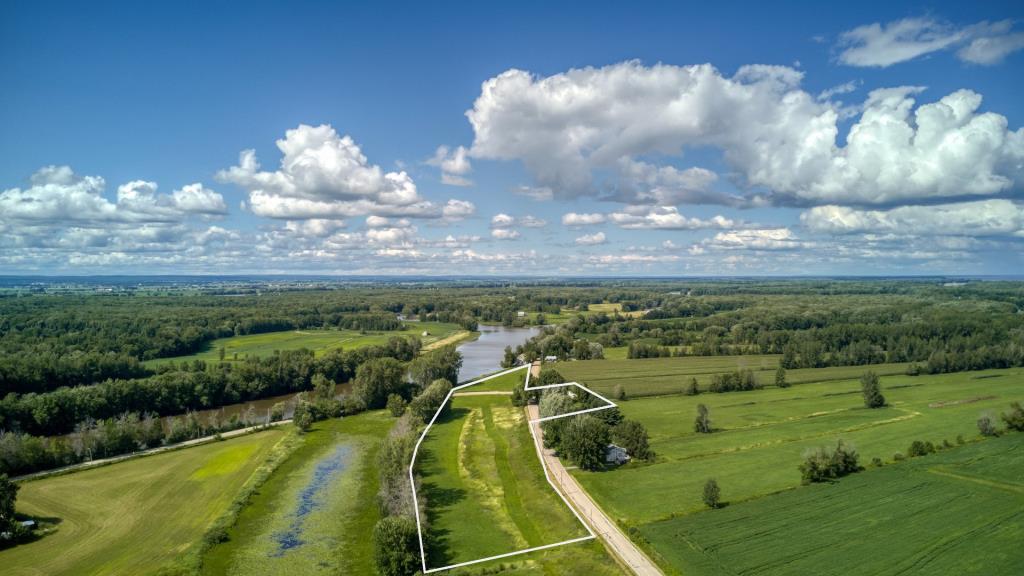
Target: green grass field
<point>763,435</point>
<point>313,515</point>
<point>960,511</point>
<point>501,383</point>
<point>657,376</point>
<point>138,516</point>
<point>487,495</point>
<point>319,341</point>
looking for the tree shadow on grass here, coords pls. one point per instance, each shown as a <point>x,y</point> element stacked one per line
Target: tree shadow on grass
<point>437,500</point>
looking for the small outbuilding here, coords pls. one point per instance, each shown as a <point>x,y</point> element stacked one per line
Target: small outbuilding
<point>425,334</point>
<point>521,314</point>
<point>551,358</point>
<point>615,455</point>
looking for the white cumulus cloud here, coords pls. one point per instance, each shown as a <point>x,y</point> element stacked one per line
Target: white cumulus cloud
<point>591,239</point>
<point>664,218</point>
<point>982,218</point>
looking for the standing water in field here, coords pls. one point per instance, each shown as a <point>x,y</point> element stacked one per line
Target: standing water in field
<point>483,355</point>
<point>312,497</point>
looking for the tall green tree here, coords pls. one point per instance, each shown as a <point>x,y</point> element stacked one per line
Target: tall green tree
<point>632,436</point>
<point>8,496</point>
<point>585,441</point>
<point>871,390</point>
<point>712,493</point>
<point>780,378</point>
<point>441,364</point>
<point>377,378</point>
<point>702,424</point>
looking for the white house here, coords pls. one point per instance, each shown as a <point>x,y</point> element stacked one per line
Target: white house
<point>551,358</point>
<point>521,314</point>
<point>615,455</point>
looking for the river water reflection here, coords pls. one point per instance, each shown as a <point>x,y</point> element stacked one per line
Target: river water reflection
<point>484,354</point>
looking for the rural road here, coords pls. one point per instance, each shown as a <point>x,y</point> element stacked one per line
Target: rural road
<point>616,542</point>
<point>186,444</point>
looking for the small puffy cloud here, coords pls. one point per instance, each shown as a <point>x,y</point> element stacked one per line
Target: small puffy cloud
<point>664,218</point>
<point>591,239</point>
<point>575,219</point>
<point>570,128</point>
<point>324,175</point>
<point>981,218</point>
<point>455,210</point>
<point>882,45</point>
<point>504,234</point>
<point>454,165</point>
<point>532,221</point>
<point>502,221</point>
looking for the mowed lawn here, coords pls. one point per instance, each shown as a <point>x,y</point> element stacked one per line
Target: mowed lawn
<point>500,384</point>
<point>137,516</point>
<point>657,376</point>
<point>315,512</point>
<point>762,436</point>
<point>960,511</point>
<point>319,341</point>
<point>487,495</point>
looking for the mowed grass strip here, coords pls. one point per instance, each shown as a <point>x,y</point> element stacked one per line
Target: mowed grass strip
<point>334,533</point>
<point>319,341</point>
<point>914,517</point>
<point>662,376</point>
<point>485,488</point>
<point>500,384</point>
<point>138,516</point>
<point>762,436</point>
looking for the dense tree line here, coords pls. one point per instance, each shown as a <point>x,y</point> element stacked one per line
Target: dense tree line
<point>192,386</point>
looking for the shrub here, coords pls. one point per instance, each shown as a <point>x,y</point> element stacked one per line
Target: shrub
<point>277,412</point>
<point>898,456</point>
<point>823,465</point>
<point>712,494</point>
<point>395,405</point>
<point>692,389</point>
<point>876,462</point>
<point>395,548</point>
<point>1015,418</point>
<point>986,426</point>
<point>619,392</point>
<point>919,448</point>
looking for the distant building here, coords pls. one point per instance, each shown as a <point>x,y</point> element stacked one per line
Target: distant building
<point>521,314</point>
<point>615,455</point>
<point>425,334</point>
<point>551,358</point>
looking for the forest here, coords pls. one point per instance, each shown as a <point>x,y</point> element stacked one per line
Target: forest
<point>71,362</point>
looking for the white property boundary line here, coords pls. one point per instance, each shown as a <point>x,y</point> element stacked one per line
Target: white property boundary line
<point>547,476</point>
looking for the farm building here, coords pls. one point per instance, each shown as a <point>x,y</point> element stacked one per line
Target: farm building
<point>521,314</point>
<point>425,334</point>
<point>551,358</point>
<point>615,455</point>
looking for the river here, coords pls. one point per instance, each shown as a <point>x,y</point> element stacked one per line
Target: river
<point>483,355</point>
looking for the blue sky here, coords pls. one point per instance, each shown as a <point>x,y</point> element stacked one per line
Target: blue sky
<point>604,138</point>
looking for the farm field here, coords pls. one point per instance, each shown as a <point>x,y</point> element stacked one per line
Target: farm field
<point>655,376</point>
<point>761,436</point>
<point>487,495</point>
<point>138,516</point>
<point>960,511</point>
<point>319,341</point>
<point>313,513</point>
